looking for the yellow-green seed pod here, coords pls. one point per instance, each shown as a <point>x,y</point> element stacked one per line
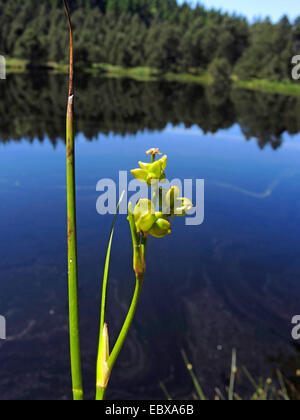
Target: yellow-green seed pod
<point>144,215</point>
<point>161,228</point>
<point>145,222</point>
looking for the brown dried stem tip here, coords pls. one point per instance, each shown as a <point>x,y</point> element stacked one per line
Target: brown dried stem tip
<point>71,83</point>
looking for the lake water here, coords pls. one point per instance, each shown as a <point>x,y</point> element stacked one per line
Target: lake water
<point>232,282</point>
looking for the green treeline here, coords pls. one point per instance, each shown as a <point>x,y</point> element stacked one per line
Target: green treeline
<point>125,106</point>
<point>155,33</point>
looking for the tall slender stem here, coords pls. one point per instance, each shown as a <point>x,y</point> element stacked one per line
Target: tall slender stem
<point>72,235</point>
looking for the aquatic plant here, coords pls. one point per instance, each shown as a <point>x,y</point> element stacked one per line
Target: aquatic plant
<point>148,218</point>
<point>72,233</point>
<point>264,390</point>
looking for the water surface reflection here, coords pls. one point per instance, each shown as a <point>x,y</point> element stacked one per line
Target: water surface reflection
<point>232,282</point>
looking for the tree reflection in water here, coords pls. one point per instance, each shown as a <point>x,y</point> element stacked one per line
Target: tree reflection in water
<point>32,107</point>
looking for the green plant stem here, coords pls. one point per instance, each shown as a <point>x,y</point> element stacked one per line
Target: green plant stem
<point>165,391</point>
<point>100,391</point>
<point>100,395</point>
<point>250,378</point>
<point>232,376</point>
<point>72,237</point>
<point>127,324</point>
<point>139,250</point>
<point>155,189</point>
<point>72,266</point>
<point>155,192</point>
<point>283,387</point>
<point>106,268</point>
<point>193,376</point>
<point>220,394</point>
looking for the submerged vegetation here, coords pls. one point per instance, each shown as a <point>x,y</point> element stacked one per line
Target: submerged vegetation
<point>271,389</point>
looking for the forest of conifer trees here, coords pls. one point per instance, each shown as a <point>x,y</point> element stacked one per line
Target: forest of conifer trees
<point>157,33</point>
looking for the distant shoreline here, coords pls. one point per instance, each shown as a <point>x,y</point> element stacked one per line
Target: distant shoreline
<point>147,74</point>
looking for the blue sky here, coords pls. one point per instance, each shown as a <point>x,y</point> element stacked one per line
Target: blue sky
<point>253,8</point>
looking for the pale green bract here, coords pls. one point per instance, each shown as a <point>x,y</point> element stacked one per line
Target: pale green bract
<point>149,172</point>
